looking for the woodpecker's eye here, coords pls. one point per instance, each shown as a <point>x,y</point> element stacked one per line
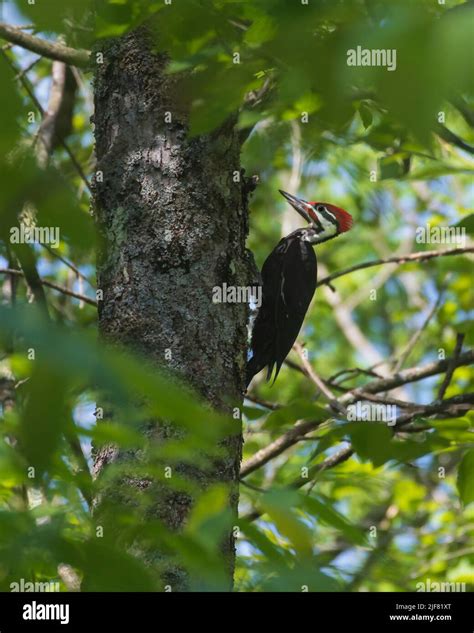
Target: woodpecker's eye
<point>321,208</point>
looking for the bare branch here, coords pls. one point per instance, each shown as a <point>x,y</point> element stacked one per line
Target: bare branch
<point>412,374</point>
<point>50,284</point>
<point>451,366</point>
<point>403,404</point>
<point>291,437</point>
<point>57,51</point>
<point>69,264</point>
<point>414,339</point>
<point>451,407</point>
<point>57,118</point>
<point>22,78</point>
<point>320,384</point>
<point>277,447</point>
<point>404,259</point>
<point>330,462</point>
<point>273,406</point>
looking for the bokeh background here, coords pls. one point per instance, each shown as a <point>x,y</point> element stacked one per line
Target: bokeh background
<point>395,149</point>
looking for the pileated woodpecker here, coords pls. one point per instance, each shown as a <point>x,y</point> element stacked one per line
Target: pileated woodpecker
<point>289,277</point>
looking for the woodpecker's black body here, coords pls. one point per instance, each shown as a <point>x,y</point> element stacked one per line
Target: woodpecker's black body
<point>289,277</point>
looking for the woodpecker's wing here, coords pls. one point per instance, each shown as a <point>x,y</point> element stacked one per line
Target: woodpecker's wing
<point>289,280</point>
<point>298,278</point>
<point>263,332</point>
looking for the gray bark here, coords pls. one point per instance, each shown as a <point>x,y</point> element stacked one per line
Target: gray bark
<point>172,225</point>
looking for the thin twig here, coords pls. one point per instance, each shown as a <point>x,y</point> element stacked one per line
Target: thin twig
<point>451,365</point>
<point>69,264</point>
<point>330,462</point>
<point>272,406</point>
<point>403,404</point>
<point>406,376</point>
<point>355,371</point>
<point>51,284</point>
<point>404,259</point>
<point>290,437</point>
<point>27,69</point>
<point>22,78</point>
<point>414,339</point>
<point>320,384</point>
<point>278,446</point>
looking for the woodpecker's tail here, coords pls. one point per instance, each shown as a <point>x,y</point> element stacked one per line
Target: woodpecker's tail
<point>254,366</point>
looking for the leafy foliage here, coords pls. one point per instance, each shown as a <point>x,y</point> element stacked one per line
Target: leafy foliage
<point>393,148</point>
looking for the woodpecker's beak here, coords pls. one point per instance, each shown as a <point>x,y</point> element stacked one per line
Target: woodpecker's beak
<point>299,205</point>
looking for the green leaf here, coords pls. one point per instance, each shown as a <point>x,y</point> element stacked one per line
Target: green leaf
<point>322,510</point>
<point>437,170</point>
<point>372,441</point>
<point>279,506</point>
<point>297,410</point>
<point>467,327</point>
<point>465,479</point>
<point>44,417</point>
<point>390,167</point>
<point>467,222</point>
<point>254,413</point>
<point>113,433</point>
<point>329,438</point>
<point>109,569</point>
<point>376,442</point>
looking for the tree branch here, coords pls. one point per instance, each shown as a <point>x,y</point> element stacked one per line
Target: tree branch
<point>27,261</point>
<point>414,339</point>
<point>318,381</point>
<point>69,264</point>
<point>330,462</point>
<point>412,374</point>
<point>453,407</point>
<point>451,366</point>
<point>51,284</point>
<point>301,428</point>
<point>404,259</point>
<point>277,447</point>
<point>22,78</point>
<point>57,51</point>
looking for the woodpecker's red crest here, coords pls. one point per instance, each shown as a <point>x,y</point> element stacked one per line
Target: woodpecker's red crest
<point>344,219</point>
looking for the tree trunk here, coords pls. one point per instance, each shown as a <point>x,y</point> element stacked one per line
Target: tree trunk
<point>172,225</point>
